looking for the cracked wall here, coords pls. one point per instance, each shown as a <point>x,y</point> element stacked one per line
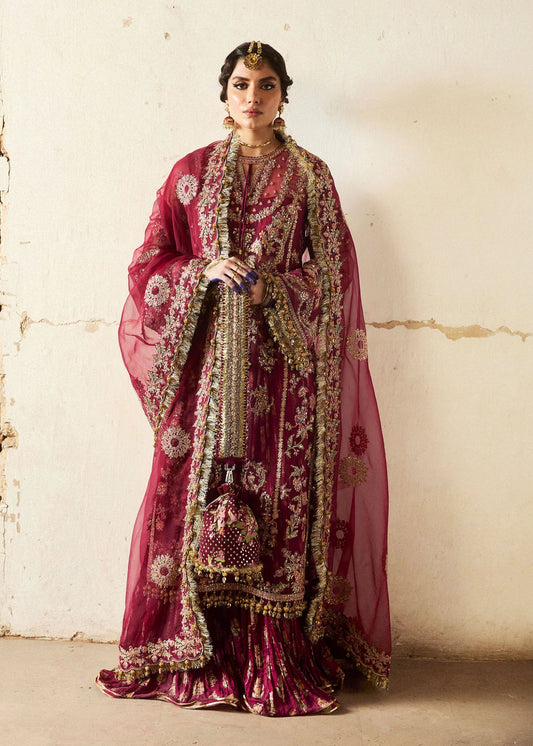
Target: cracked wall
<point>429,139</point>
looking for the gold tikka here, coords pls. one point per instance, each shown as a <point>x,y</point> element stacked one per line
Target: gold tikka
<point>253,60</point>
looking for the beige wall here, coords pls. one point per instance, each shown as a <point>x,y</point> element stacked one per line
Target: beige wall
<point>424,112</point>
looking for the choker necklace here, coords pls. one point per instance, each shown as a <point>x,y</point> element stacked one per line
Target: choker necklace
<point>261,145</point>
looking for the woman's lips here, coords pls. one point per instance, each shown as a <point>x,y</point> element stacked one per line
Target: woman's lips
<point>252,113</point>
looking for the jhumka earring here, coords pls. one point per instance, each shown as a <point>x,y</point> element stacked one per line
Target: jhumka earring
<point>229,122</point>
<point>279,124</point>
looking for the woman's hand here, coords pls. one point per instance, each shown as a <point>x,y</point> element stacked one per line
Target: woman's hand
<point>238,276</point>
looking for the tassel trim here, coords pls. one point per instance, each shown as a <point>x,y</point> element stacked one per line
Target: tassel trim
<point>285,327</point>
<point>183,346</point>
<point>218,574</point>
<point>275,609</point>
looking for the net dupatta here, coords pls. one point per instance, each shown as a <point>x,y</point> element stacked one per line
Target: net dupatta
<point>350,606</point>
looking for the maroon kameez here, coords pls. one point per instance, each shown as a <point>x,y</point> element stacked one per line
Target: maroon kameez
<point>285,394</point>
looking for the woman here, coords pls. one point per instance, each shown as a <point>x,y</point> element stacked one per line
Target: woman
<point>259,550</point>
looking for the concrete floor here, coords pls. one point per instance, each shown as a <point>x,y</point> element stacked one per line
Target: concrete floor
<point>47,696</point>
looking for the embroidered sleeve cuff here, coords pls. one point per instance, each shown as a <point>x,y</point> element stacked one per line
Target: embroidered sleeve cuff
<point>285,326</point>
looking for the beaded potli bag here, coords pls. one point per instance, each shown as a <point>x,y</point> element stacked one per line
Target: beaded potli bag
<point>228,545</point>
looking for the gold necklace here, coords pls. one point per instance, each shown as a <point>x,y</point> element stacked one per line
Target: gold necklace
<point>261,145</point>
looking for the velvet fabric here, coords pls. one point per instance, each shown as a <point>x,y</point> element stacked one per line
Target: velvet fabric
<point>283,394</point>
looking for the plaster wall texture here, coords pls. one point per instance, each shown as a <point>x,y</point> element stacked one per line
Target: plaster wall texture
<point>424,112</point>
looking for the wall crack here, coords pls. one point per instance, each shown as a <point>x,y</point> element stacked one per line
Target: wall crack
<point>451,332</point>
<point>91,325</point>
<point>5,163</point>
<point>8,434</point>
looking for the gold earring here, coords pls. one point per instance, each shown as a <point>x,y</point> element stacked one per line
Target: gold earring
<point>229,122</point>
<point>279,123</point>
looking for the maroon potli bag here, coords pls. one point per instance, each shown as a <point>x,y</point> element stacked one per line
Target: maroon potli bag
<point>229,538</point>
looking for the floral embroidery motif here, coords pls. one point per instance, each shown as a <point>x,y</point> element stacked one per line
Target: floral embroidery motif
<point>163,571</point>
<point>268,355</point>
<point>340,533</point>
<point>186,189</point>
<point>338,590</point>
<point>303,423</point>
<point>253,476</point>
<point>229,540</point>
<point>175,442</point>
<point>357,344</point>
<point>157,656</point>
<point>209,194</point>
<point>147,255</point>
<point>256,248</point>
<point>352,470</point>
<point>159,518</point>
<point>298,502</point>
<point>261,401</point>
<point>358,440</point>
<point>157,291</point>
<point>293,567</point>
<point>176,336</point>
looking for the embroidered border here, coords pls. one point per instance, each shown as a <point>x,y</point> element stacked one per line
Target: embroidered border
<point>209,194</point>
<point>172,350</point>
<point>327,372</point>
<point>233,419</point>
<point>285,327</point>
<point>373,663</point>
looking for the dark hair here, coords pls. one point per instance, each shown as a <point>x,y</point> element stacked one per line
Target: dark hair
<point>269,54</point>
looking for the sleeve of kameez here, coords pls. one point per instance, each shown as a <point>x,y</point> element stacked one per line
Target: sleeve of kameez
<point>167,288</point>
<point>292,312</point>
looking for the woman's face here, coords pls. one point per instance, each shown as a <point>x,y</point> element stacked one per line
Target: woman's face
<point>254,96</point>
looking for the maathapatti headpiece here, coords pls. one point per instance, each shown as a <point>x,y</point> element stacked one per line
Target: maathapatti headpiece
<point>253,60</point>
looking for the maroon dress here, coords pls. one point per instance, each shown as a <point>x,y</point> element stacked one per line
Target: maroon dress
<point>242,589</point>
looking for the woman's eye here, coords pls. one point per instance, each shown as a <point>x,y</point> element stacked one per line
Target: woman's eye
<point>269,86</point>
<point>240,86</point>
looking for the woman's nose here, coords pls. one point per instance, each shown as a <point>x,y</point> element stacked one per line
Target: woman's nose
<point>253,94</point>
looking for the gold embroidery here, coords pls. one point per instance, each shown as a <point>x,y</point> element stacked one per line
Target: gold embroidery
<point>253,476</point>
<point>207,197</point>
<point>322,479</point>
<point>268,355</point>
<point>183,344</point>
<point>261,402</point>
<point>175,442</point>
<point>298,502</point>
<point>186,188</point>
<point>233,421</point>
<point>250,597</point>
<point>357,344</point>
<point>163,571</point>
<point>214,572</point>
<point>338,590</point>
<point>285,328</point>
<point>373,663</point>
<point>303,423</point>
<point>276,609</point>
<point>273,523</point>
<point>352,470</point>
<point>224,197</point>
